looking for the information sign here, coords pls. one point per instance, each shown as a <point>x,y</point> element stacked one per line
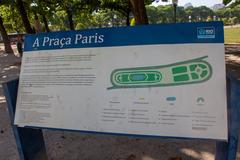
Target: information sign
<point>155,80</point>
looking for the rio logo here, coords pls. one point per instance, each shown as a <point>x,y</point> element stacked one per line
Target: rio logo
<point>205,32</point>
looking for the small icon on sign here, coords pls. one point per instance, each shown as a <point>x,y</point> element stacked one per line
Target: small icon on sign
<point>171,100</point>
<point>205,32</point>
<point>200,100</point>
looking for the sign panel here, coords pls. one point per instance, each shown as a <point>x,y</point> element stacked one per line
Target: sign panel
<point>156,80</point>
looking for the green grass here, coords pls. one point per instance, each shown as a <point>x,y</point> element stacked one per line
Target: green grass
<point>232,35</point>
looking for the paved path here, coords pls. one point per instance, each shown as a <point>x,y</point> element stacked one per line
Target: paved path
<point>233,26</point>
<point>9,70</point>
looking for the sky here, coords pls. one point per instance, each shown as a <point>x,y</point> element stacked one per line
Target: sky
<point>195,3</point>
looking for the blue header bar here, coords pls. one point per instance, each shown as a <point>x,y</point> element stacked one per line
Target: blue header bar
<point>202,32</point>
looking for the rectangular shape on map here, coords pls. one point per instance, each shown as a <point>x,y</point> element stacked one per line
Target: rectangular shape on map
<point>156,80</point>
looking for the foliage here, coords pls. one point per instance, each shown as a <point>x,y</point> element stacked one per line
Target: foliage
<point>105,13</point>
<point>108,18</point>
<point>234,2</point>
<point>10,17</point>
<point>164,14</point>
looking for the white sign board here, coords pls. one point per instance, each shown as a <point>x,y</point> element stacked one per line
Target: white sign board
<point>160,80</point>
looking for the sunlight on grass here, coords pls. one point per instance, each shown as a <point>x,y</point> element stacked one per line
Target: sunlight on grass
<point>232,35</point>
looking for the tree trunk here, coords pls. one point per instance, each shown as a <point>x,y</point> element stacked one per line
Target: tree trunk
<point>128,13</point>
<point>6,41</point>
<point>37,24</point>
<point>45,23</point>
<point>139,12</point>
<point>128,19</point>
<point>70,19</point>
<point>24,17</point>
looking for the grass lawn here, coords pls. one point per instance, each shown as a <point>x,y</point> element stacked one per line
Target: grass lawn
<point>232,35</point>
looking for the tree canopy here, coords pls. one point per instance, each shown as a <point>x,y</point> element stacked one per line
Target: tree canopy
<point>24,15</point>
<point>235,2</point>
<point>30,16</point>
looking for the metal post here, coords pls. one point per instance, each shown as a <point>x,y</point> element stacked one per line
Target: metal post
<point>175,12</point>
<point>30,142</point>
<point>175,2</point>
<point>228,150</point>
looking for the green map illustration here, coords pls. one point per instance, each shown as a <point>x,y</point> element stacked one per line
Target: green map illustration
<point>181,73</point>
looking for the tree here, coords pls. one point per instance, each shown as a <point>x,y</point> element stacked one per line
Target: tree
<point>166,13</point>
<point>75,7</point>
<point>234,2</point>
<point>54,7</point>
<point>45,22</point>
<point>153,14</point>
<point>69,10</point>
<point>234,20</point>
<point>204,12</point>
<point>37,24</point>
<point>182,15</point>
<point>24,17</point>
<point>108,18</point>
<point>70,17</point>
<point>67,6</point>
<point>10,16</point>
<point>139,12</point>
<point>44,9</point>
<point>6,41</point>
<point>121,6</point>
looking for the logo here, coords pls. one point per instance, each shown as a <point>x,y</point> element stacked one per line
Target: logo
<point>205,32</point>
<point>200,101</point>
<point>171,100</point>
